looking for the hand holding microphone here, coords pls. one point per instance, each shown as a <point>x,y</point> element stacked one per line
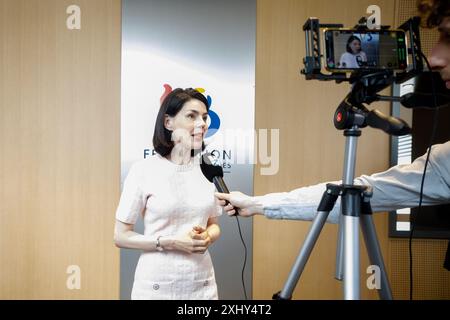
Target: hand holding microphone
<point>234,202</point>
<point>236,199</point>
<point>214,174</point>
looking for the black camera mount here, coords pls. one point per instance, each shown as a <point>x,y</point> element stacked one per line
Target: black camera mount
<point>313,58</point>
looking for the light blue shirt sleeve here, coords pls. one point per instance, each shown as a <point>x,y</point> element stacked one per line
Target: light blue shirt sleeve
<point>396,188</point>
<point>298,204</point>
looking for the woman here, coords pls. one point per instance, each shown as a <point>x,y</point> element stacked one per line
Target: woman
<point>354,57</point>
<point>178,207</point>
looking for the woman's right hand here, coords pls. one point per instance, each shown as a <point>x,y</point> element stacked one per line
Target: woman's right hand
<point>185,244</point>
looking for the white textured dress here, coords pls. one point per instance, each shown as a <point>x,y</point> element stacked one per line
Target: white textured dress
<point>173,199</point>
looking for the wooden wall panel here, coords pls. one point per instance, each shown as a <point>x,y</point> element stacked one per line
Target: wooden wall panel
<point>59,148</point>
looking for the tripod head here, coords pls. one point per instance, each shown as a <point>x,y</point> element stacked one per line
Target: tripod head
<point>351,112</point>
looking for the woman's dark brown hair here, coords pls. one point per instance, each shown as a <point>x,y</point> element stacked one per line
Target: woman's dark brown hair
<point>349,41</point>
<point>171,105</point>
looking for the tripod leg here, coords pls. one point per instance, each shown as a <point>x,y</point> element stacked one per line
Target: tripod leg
<point>305,252</point>
<point>351,258</point>
<point>339,275</point>
<point>375,256</point>
<point>351,209</point>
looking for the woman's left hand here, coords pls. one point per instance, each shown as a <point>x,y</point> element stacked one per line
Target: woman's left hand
<point>200,233</point>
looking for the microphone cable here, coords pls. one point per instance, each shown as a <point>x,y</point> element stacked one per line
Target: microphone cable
<point>245,255</point>
<point>433,135</point>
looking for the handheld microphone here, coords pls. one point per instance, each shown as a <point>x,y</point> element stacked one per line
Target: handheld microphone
<point>422,97</point>
<point>214,174</point>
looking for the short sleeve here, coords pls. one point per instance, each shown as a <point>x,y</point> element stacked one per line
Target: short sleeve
<point>343,61</point>
<point>218,209</point>
<point>132,200</point>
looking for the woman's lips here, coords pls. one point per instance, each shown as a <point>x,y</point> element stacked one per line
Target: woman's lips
<point>198,136</point>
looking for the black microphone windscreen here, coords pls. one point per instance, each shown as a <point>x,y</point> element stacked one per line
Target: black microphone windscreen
<point>423,100</point>
<point>422,97</point>
<point>426,80</point>
<point>209,170</point>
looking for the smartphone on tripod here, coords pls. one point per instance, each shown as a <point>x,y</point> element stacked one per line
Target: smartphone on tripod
<point>348,50</point>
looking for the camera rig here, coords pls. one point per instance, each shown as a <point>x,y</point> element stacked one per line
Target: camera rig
<point>365,83</point>
<point>313,58</point>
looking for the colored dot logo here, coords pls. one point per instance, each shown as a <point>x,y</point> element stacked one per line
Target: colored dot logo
<point>214,124</point>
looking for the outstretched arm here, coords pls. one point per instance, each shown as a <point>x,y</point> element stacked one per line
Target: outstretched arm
<point>396,188</point>
<point>399,187</point>
<point>298,204</point>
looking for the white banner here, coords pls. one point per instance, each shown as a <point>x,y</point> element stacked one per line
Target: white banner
<point>208,45</point>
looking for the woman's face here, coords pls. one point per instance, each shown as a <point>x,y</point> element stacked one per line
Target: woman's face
<point>189,126</point>
<point>355,46</point>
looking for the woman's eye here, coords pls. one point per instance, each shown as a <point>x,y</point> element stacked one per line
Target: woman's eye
<point>191,116</point>
<point>205,119</point>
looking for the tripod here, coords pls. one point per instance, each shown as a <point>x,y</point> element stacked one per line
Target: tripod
<point>350,116</point>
